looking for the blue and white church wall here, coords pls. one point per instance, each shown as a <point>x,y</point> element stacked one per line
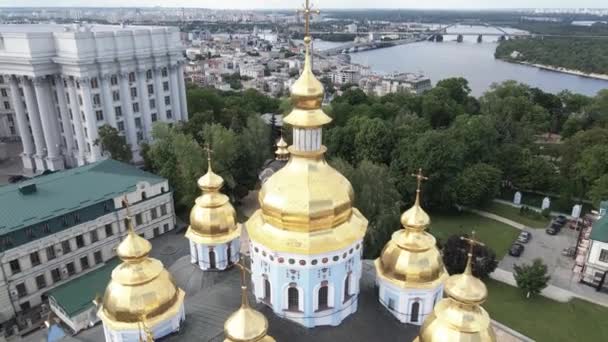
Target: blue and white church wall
<point>219,257</point>
<point>160,329</point>
<point>411,305</point>
<point>312,290</point>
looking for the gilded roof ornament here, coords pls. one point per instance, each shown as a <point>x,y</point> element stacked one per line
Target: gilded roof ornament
<point>246,324</point>
<point>210,181</point>
<point>282,152</point>
<point>416,217</point>
<point>307,92</point>
<point>133,248</point>
<point>459,317</point>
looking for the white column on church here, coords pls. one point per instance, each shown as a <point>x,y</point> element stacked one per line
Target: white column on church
<point>22,124</point>
<point>176,98</point>
<point>144,102</point>
<point>34,115</point>
<point>307,139</point>
<point>54,161</point>
<point>160,94</point>
<point>77,119</point>
<point>91,119</point>
<point>127,110</point>
<point>182,92</point>
<point>66,123</point>
<point>108,101</point>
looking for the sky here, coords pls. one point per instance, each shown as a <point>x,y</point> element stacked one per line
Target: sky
<point>282,4</point>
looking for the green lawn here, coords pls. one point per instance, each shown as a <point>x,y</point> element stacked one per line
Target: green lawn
<point>544,319</point>
<point>496,235</point>
<point>512,213</point>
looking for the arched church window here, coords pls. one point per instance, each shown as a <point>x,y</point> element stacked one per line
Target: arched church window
<point>211,259</point>
<point>323,297</point>
<point>267,293</point>
<point>347,288</point>
<point>415,312</point>
<point>143,195</point>
<point>293,300</point>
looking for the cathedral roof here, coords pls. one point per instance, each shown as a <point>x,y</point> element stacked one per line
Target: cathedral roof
<point>212,218</point>
<point>411,258</point>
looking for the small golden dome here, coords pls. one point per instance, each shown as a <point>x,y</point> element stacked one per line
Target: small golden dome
<point>307,96</point>
<point>140,287</point>
<point>411,258</point>
<point>459,317</point>
<point>212,218</point>
<point>246,324</point>
<point>282,152</point>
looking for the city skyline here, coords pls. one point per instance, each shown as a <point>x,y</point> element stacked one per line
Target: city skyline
<point>289,4</point>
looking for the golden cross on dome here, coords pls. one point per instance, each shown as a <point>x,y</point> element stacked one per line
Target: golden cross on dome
<point>244,271</point>
<point>472,242</point>
<point>419,178</point>
<point>209,151</point>
<point>307,13</point>
<point>126,204</point>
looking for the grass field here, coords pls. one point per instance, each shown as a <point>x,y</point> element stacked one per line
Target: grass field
<point>512,213</point>
<point>496,235</point>
<point>544,319</point>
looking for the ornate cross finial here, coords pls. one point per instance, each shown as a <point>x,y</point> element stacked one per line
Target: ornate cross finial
<point>307,12</point>
<point>209,152</point>
<point>125,203</point>
<point>419,178</point>
<point>472,242</point>
<point>244,271</point>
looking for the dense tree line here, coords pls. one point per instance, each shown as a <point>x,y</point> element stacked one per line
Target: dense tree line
<point>589,55</point>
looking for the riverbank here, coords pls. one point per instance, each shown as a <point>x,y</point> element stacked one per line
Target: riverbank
<point>595,76</point>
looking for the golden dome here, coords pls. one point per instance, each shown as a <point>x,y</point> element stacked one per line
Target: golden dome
<point>140,287</point>
<point>459,317</point>
<point>306,208</point>
<point>246,324</point>
<point>282,152</point>
<point>307,95</point>
<point>212,218</point>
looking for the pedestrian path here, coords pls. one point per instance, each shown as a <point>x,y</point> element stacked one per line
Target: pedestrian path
<point>495,217</point>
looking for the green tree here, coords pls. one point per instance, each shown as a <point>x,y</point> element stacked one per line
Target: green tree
<point>477,185</point>
<point>377,199</point>
<point>439,108</point>
<point>531,278</point>
<point>599,190</point>
<point>455,251</point>
<point>115,144</point>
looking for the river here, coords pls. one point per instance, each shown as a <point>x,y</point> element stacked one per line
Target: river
<point>470,60</point>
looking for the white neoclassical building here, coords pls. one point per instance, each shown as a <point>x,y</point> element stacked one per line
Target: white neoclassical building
<point>65,81</point>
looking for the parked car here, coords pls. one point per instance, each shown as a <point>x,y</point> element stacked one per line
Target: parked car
<point>561,219</point>
<point>524,237</point>
<point>516,249</point>
<point>552,230</point>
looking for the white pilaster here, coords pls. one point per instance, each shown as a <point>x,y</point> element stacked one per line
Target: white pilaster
<point>77,119</point>
<point>127,110</point>
<point>176,98</point>
<point>108,101</point>
<point>307,139</point>
<point>160,94</point>
<point>91,119</point>
<point>65,117</point>
<point>34,115</point>
<point>22,125</point>
<point>144,103</point>
<point>54,161</point>
<point>182,92</point>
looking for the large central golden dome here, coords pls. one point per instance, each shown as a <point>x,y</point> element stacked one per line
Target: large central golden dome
<point>140,289</point>
<point>411,258</point>
<point>307,206</point>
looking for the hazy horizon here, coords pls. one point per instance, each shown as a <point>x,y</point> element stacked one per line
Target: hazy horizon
<point>328,4</point>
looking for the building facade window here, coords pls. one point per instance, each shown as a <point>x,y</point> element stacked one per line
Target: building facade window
<point>35,259</point>
<point>94,83</point>
<point>169,114</point>
<point>15,266</point>
<point>121,126</point>
<point>94,237</point>
<point>166,86</point>
<point>150,89</point>
<point>148,74</point>
<point>323,297</point>
<point>293,300</point>
<point>115,96</point>
<point>97,257</point>
<point>152,103</point>
<point>138,219</point>
<point>604,255</point>
<point>114,80</point>
<point>131,77</point>
<point>21,290</point>
<point>137,121</point>
<point>50,253</point>
<point>99,115</point>
<point>154,117</point>
<point>109,230</point>
<point>56,275</point>
<point>96,99</point>
<point>65,246</point>
<point>40,282</point>
<point>163,210</point>
<point>79,241</point>
<point>135,107</point>
<point>167,100</point>
<point>84,262</point>
<point>71,268</point>
<point>133,92</point>
<point>153,213</point>
<point>164,72</point>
